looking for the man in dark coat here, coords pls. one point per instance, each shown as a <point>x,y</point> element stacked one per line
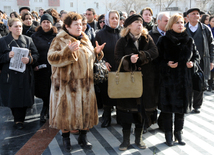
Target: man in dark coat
<point>157,31</point>
<point>90,15</point>
<point>205,45</point>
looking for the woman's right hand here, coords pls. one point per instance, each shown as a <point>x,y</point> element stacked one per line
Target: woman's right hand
<point>172,64</point>
<point>36,68</point>
<point>11,54</point>
<point>108,66</point>
<point>134,58</point>
<point>73,46</point>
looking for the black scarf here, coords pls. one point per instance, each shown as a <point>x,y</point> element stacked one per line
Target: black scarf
<point>149,25</point>
<point>177,38</point>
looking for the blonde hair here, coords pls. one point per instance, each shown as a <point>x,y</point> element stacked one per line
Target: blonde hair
<point>172,20</point>
<point>13,20</point>
<point>126,30</point>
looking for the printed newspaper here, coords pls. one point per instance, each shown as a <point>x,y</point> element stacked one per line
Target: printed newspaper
<point>16,61</point>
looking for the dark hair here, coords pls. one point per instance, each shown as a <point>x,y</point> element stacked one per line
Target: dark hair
<point>99,18</point>
<point>92,10</point>
<point>70,17</point>
<point>132,11</point>
<point>211,17</point>
<point>203,18</point>
<point>41,9</point>
<point>15,14</point>
<point>54,14</point>
<point>83,17</point>
<point>147,8</point>
<point>25,14</point>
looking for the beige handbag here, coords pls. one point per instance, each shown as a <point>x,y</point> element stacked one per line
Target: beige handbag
<point>125,84</point>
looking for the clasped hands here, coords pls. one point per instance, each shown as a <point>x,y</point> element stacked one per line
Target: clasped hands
<point>171,64</point>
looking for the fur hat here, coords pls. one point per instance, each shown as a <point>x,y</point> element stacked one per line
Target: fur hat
<point>131,19</point>
<point>48,17</point>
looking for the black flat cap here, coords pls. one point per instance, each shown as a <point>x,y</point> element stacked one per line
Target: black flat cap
<point>184,14</point>
<point>193,9</point>
<point>2,12</point>
<point>22,8</point>
<point>131,19</point>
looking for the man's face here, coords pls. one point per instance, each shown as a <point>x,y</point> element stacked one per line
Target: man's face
<point>163,22</point>
<point>89,16</point>
<point>41,12</point>
<point>23,11</point>
<point>193,16</point>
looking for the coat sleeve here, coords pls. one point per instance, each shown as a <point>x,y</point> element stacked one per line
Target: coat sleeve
<point>4,53</point>
<point>34,55</point>
<point>59,56</point>
<point>150,54</point>
<point>210,44</point>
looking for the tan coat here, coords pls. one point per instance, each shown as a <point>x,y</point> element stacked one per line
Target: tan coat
<point>73,102</point>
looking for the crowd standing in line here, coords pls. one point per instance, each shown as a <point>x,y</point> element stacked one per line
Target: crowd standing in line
<point>59,68</point>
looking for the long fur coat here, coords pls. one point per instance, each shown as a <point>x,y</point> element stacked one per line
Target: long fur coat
<point>72,101</point>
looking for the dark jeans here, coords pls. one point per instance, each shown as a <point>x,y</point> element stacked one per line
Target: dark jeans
<point>19,114</point>
<point>178,123</point>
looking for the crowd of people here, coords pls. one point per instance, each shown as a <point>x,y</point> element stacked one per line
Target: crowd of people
<point>63,47</point>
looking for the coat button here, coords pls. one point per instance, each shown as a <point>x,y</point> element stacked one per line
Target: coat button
<point>139,68</point>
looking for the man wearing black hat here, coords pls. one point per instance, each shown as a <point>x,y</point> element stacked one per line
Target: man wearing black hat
<point>27,9</point>
<point>205,45</point>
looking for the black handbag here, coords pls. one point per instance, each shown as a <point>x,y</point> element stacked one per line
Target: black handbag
<point>198,79</point>
<point>100,72</point>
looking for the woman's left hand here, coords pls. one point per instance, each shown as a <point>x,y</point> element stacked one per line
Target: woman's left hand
<point>189,64</point>
<point>99,48</point>
<point>25,60</point>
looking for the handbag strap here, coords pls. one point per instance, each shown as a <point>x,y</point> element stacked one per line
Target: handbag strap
<point>121,61</point>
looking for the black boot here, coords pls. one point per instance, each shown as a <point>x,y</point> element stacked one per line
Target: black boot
<point>66,141</point>
<point>106,117</point>
<point>178,137</point>
<point>43,113</point>
<point>126,140</point>
<point>82,139</point>
<point>138,138</point>
<point>168,137</point>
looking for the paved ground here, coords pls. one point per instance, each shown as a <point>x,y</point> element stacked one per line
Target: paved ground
<point>37,138</point>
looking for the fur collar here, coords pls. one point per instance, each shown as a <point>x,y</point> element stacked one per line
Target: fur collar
<point>177,38</point>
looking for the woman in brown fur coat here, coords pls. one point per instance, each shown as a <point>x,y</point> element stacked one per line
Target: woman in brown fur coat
<point>72,100</point>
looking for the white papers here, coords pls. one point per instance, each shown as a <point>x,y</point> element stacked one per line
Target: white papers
<point>16,61</point>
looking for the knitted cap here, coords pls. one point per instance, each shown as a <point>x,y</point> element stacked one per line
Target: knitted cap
<point>47,17</point>
<point>131,19</point>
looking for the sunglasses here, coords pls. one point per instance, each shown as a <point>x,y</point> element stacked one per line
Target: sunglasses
<point>101,21</point>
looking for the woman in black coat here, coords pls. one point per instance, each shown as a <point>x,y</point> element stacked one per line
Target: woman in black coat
<point>17,88</point>
<point>177,58</point>
<point>28,25</point>
<point>109,35</point>
<point>141,49</point>
<point>42,38</point>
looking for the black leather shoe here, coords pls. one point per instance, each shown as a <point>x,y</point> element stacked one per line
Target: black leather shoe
<point>178,137</point>
<point>168,137</point>
<point>106,122</point>
<point>196,110</point>
<point>19,126</point>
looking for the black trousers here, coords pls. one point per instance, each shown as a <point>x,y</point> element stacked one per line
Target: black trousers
<point>127,126</point>
<point>178,122</point>
<point>19,114</point>
<point>197,99</point>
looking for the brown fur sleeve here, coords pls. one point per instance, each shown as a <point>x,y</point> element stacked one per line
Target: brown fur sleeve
<point>59,54</point>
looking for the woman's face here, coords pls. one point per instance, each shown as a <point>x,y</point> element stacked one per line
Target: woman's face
<point>75,28</point>
<point>113,20</point>
<point>12,15</point>
<point>212,22</point>
<point>28,20</point>
<point>136,27</point>
<point>16,28</point>
<point>178,27</point>
<point>147,16</point>
<point>46,25</point>
<point>84,25</point>
<point>206,20</point>
<point>102,22</point>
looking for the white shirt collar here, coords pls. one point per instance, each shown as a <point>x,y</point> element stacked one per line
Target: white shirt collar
<point>160,31</point>
<point>193,28</point>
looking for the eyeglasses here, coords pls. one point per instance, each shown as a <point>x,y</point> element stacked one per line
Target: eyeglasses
<point>101,21</point>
